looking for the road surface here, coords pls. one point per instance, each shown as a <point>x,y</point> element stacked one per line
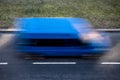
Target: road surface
<point>17,66</point>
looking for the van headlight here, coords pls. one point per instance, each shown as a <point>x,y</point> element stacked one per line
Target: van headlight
<point>92,36</point>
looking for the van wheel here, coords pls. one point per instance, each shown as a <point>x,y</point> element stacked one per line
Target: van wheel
<point>92,56</point>
<point>30,56</point>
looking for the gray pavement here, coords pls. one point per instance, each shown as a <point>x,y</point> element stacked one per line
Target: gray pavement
<point>17,66</point>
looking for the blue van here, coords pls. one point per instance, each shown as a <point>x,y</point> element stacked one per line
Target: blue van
<point>54,36</point>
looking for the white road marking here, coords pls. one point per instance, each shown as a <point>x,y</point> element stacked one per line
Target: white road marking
<point>110,63</point>
<point>3,63</point>
<point>54,63</point>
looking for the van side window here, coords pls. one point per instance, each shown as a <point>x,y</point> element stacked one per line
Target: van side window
<point>54,42</point>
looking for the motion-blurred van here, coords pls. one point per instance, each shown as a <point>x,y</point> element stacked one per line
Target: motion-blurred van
<point>54,36</point>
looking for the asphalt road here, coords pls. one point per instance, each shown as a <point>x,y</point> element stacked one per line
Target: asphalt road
<point>18,66</point>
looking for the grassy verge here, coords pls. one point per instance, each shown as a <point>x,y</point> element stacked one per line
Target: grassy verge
<point>102,13</point>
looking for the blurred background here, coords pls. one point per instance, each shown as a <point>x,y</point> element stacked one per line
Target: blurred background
<point>102,13</point>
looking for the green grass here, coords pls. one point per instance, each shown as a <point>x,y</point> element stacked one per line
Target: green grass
<point>102,13</point>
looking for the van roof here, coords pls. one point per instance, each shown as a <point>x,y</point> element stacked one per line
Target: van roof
<point>50,25</point>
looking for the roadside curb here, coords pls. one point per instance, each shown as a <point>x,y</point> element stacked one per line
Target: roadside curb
<point>16,30</point>
<point>8,30</point>
<point>109,30</point>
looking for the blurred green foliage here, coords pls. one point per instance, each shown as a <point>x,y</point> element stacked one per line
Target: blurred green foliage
<point>102,13</point>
